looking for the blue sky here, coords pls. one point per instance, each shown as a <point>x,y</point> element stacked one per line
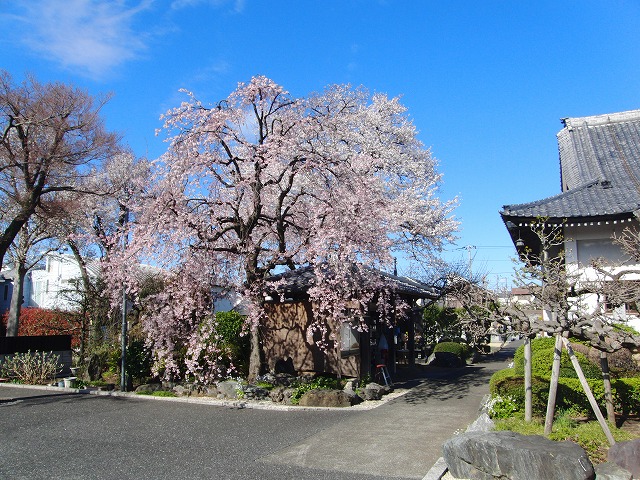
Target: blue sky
<point>486,82</point>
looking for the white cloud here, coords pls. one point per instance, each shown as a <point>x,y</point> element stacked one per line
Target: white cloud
<point>90,36</point>
<point>237,6</point>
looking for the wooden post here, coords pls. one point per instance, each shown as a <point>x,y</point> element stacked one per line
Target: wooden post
<point>587,390</point>
<point>528,408</point>
<point>608,396</point>
<point>553,385</point>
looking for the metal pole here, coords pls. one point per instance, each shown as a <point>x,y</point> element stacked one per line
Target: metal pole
<point>123,341</point>
<point>123,366</point>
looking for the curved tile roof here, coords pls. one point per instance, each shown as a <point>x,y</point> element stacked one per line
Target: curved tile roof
<point>600,170</point>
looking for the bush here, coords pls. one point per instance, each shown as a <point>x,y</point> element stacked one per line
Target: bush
<point>37,368</point>
<point>459,349</point>
<point>318,383</point>
<point>542,351</point>
<point>230,328</point>
<point>627,395</point>
<point>542,343</point>
<point>502,407</point>
<point>512,386</point>
<point>570,396</point>
<point>40,321</point>
<point>498,377</point>
<point>138,361</point>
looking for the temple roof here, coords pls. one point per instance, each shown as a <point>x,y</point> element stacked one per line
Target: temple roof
<point>600,171</point>
<point>296,283</point>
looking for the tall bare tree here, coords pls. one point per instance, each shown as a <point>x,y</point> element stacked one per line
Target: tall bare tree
<point>49,136</point>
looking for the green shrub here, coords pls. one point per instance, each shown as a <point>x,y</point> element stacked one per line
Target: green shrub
<point>542,363</point>
<point>459,349</point>
<point>498,377</point>
<point>318,383</point>
<point>542,343</point>
<point>627,395</point>
<point>502,407</point>
<point>138,360</point>
<point>513,387</point>
<point>542,350</point>
<point>570,396</point>
<point>230,328</point>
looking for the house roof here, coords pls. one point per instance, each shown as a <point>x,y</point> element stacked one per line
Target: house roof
<point>295,283</point>
<point>600,171</point>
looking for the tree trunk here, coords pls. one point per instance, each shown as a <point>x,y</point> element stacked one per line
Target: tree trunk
<point>528,408</point>
<point>88,296</point>
<point>553,385</point>
<point>587,390</point>
<point>13,321</point>
<point>608,396</point>
<point>255,357</point>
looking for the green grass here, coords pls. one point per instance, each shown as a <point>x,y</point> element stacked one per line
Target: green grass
<point>158,393</point>
<point>589,435</point>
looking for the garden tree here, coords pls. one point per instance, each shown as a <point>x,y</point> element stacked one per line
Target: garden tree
<point>439,322</point>
<point>264,181</point>
<point>563,295</point>
<point>29,248</point>
<point>95,224</point>
<point>50,134</point>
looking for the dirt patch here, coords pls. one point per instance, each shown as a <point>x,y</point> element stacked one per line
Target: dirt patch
<point>630,424</point>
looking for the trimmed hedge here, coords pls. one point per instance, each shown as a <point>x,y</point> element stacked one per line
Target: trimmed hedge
<point>459,349</point>
<point>542,350</point>
<point>570,396</point>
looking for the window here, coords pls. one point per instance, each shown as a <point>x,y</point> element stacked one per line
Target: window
<point>350,339</point>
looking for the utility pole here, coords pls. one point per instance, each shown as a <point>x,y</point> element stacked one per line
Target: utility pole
<point>469,248</point>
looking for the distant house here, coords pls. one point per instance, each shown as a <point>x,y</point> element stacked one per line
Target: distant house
<point>600,196</point>
<point>56,285</point>
<point>286,329</point>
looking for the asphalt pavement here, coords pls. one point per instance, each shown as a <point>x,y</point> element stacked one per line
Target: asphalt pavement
<point>55,434</point>
<point>402,438</point>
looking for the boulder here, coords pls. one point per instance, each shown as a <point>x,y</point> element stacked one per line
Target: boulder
<point>253,392</point>
<point>482,424</point>
<point>148,388</point>
<point>281,395</point>
<point>502,455</point>
<point>626,455</point>
<point>611,471</point>
<point>325,398</point>
<point>374,391</point>
<point>229,389</point>
<point>354,398</point>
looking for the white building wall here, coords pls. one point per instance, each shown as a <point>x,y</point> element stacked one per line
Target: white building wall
<point>585,242</point>
<point>54,287</point>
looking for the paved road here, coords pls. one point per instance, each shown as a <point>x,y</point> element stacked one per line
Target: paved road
<point>46,434</point>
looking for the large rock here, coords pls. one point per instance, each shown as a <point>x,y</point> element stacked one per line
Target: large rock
<point>611,471</point>
<point>325,398</point>
<point>482,424</point>
<point>509,455</point>
<point>374,391</point>
<point>229,389</point>
<point>626,455</point>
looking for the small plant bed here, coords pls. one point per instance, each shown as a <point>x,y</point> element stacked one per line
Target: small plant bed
<point>277,388</point>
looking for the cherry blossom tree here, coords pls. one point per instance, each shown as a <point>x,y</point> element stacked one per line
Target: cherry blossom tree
<point>263,181</point>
